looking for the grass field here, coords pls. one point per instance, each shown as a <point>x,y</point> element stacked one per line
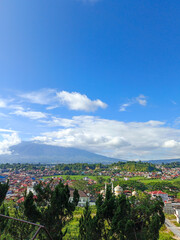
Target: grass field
<point>141,179</point>
<point>77,177</point>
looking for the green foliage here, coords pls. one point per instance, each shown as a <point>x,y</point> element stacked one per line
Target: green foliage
<point>51,208</point>
<point>80,184</point>
<point>86,225</point>
<point>135,166</point>
<point>132,184</point>
<point>124,218</point>
<point>172,165</point>
<point>3,221</point>
<point>18,230</point>
<point>3,190</point>
<point>3,208</point>
<point>148,216</point>
<point>100,180</point>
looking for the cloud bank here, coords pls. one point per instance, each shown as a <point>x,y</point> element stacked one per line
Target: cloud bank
<point>8,138</point>
<point>133,140</point>
<point>113,138</point>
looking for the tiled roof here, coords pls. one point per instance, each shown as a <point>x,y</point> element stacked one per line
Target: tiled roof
<point>81,193</point>
<point>157,192</point>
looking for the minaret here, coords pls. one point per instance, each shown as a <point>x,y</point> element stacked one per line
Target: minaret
<point>105,187</point>
<point>112,187</point>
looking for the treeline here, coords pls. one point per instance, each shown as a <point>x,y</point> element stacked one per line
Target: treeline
<point>171,165</point>
<point>80,166</point>
<point>132,166</point>
<point>115,217</point>
<point>119,166</point>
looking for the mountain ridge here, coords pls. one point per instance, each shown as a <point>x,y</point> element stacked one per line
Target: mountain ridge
<point>33,152</point>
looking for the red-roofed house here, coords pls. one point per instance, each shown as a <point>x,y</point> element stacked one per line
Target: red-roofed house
<point>161,194</point>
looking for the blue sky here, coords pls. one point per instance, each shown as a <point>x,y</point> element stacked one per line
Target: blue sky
<point>98,75</point>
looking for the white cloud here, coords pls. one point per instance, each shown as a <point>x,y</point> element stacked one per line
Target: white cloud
<point>133,140</point>
<point>8,140</point>
<point>59,122</point>
<point>124,106</point>
<point>171,144</point>
<point>30,114</point>
<point>141,100</point>
<point>3,103</point>
<point>54,99</point>
<point>77,101</point>
<point>6,131</point>
<point>43,96</point>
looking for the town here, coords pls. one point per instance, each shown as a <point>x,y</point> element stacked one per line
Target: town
<point>128,178</point>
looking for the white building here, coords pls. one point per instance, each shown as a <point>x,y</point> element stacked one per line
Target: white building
<point>83,197</point>
<point>118,190</point>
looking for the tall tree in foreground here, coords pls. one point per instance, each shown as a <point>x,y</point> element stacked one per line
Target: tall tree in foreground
<point>122,218</point>
<point>3,208</point>
<point>18,230</point>
<point>51,207</point>
<point>3,191</point>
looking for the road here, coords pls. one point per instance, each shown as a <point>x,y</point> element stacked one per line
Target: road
<point>172,227</point>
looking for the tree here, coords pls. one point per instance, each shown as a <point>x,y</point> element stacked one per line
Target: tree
<point>85,224</point>
<point>122,218</point>
<point>18,230</point>
<point>122,224</point>
<point>51,207</point>
<point>89,227</point>
<point>3,191</point>
<point>100,180</point>
<point>3,208</point>
<point>147,215</point>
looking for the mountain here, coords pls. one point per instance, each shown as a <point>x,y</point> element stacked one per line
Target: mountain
<point>32,152</point>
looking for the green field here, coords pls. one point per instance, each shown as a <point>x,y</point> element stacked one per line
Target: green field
<point>77,177</point>
<point>141,179</point>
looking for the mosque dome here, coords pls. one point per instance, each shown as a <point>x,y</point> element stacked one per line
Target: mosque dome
<point>118,190</point>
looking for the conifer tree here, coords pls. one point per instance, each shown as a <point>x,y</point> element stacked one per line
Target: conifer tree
<point>51,207</point>
<point>122,218</point>
<point>3,191</point>
<point>89,227</point>
<point>3,208</point>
